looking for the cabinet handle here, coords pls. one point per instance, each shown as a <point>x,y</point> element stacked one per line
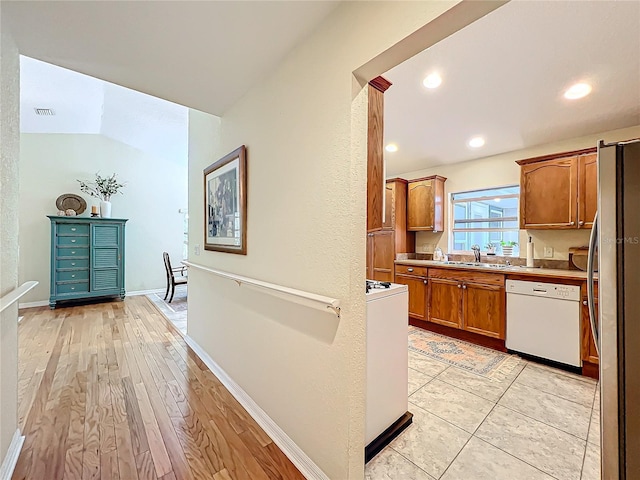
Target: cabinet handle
<point>464,287</point>
<point>73,264</point>
<point>429,226</point>
<point>581,222</point>
<point>425,282</point>
<point>409,269</point>
<point>73,229</point>
<point>73,288</point>
<point>73,241</point>
<point>73,252</point>
<point>572,223</point>
<point>585,303</point>
<point>73,276</point>
<point>459,286</point>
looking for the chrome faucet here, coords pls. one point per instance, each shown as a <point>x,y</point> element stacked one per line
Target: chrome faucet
<point>476,252</point>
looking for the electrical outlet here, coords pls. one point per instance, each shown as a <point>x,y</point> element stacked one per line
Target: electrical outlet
<point>196,249</point>
<point>548,252</point>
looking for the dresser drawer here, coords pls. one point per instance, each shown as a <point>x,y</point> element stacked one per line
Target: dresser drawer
<point>71,252</point>
<point>80,287</point>
<point>73,229</point>
<point>73,240</point>
<point>73,275</point>
<point>73,263</point>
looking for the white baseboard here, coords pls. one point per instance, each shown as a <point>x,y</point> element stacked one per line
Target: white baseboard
<point>307,467</point>
<point>145,292</point>
<point>11,458</point>
<point>41,303</point>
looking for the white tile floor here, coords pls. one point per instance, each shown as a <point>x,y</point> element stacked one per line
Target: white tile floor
<point>533,423</point>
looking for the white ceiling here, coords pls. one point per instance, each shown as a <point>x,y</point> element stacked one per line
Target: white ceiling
<point>158,47</point>
<point>86,105</point>
<point>504,77</point>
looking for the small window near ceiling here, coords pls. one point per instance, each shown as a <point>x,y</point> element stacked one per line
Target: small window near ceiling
<point>485,217</point>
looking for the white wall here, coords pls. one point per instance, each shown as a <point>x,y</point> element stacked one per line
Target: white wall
<point>305,136</point>
<point>501,170</point>
<point>9,154</point>
<point>155,189</point>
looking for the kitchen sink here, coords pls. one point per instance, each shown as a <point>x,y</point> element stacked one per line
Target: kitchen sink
<point>497,266</point>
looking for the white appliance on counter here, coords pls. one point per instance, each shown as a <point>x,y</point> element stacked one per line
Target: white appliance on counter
<point>387,365</point>
<point>543,319</point>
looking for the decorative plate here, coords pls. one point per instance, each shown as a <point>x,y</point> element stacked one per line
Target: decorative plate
<point>71,201</point>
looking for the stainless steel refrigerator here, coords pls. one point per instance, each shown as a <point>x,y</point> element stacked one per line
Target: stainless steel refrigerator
<point>616,326</point>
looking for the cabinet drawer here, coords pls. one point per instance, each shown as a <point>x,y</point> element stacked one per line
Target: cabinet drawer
<point>73,275</point>
<point>73,229</point>
<point>467,276</point>
<point>411,270</point>
<point>73,240</point>
<point>70,252</point>
<point>73,263</point>
<point>80,287</point>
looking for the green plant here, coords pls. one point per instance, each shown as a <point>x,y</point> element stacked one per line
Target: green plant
<point>102,187</point>
<point>508,244</point>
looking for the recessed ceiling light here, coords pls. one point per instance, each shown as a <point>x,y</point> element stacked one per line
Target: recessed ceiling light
<point>392,147</point>
<point>432,81</point>
<point>476,142</point>
<point>497,199</point>
<point>578,90</point>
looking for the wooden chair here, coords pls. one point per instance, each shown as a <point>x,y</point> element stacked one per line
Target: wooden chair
<point>172,279</point>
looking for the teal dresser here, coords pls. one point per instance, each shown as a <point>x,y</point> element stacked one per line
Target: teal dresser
<point>87,258</point>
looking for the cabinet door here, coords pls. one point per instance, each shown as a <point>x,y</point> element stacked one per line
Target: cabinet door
<point>548,194</point>
<point>383,256</point>
<point>369,256</point>
<point>421,205</point>
<point>445,302</point>
<point>106,257</point>
<point>484,310</point>
<point>389,206</point>
<point>587,189</point>
<point>589,351</point>
<point>417,295</point>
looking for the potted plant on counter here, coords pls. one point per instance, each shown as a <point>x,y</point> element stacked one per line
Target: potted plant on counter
<point>102,188</point>
<point>491,248</point>
<point>507,248</point>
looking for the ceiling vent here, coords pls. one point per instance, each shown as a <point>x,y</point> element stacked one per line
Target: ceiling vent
<point>44,111</point>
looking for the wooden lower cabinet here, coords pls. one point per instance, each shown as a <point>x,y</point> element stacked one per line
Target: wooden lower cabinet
<point>484,309</point>
<point>445,302</point>
<point>380,256</point>
<point>417,294</point>
<point>589,351</point>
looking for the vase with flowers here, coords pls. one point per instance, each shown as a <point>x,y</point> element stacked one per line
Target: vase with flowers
<point>103,188</point>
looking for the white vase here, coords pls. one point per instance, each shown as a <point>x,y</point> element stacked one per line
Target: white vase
<point>507,251</point>
<point>105,209</point>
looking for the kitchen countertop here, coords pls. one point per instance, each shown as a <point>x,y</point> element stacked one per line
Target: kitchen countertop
<point>513,270</point>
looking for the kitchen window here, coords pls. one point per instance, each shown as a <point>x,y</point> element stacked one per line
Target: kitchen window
<point>485,217</point>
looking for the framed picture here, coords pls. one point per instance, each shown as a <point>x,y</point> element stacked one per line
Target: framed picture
<point>225,203</point>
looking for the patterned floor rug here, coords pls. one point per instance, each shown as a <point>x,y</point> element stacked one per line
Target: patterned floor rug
<point>176,311</point>
<point>467,356</point>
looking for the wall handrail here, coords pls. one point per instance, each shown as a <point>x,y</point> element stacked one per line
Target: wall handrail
<point>299,296</point>
<point>15,294</point>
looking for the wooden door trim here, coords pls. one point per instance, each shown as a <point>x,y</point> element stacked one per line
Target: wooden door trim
<point>556,156</point>
<point>380,83</point>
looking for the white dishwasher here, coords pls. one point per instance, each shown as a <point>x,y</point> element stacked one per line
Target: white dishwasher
<point>543,319</point>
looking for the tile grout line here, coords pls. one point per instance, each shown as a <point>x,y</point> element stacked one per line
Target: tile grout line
<point>584,455</point>
<point>413,463</point>
<point>495,446</point>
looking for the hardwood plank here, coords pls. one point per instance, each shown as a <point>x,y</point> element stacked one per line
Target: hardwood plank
<point>112,391</point>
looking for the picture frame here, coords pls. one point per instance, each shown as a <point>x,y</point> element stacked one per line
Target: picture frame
<point>225,203</point>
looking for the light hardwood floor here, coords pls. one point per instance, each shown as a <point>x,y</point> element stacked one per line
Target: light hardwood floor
<point>112,391</point>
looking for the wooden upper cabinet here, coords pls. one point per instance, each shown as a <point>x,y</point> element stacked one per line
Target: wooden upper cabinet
<point>389,206</point>
<point>425,204</point>
<point>548,192</point>
<point>558,191</point>
<point>484,309</point>
<point>588,348</point>
<point>587,189</point>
